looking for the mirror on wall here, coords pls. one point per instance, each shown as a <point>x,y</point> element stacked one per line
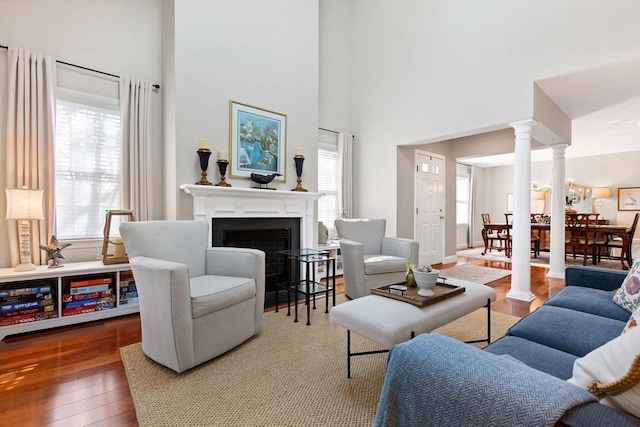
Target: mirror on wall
<point>577,197</point>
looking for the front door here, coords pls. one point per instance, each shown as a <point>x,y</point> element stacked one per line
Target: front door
<point>429,201</point>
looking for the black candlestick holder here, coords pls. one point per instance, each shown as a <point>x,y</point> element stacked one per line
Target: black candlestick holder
<point>299,159</point>
<point>222,166</point>
<point>204,154</point>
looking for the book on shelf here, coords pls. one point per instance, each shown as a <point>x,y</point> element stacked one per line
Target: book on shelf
<point>89,289</point>
<point>131,301</point>
<point>26,318</point>
<point>29,297</point>
<point>5,293</point>
<point>90,282</point>
<point>89,302</point>
<point>131,287</point>
<point>25,305</point>
<point>90,295</point>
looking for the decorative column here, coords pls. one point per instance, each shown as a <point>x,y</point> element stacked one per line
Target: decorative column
<point>521,231</point>
<point>556,263</point>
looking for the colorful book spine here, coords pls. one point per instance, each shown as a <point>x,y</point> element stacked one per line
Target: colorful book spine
<point>4,293</point>
<point>130,301</point>
<point>26,318</point>
<point>88,302</point>
<point>91,282</point>
<point>80,297</point>
<point>24,305</point>
<point>89,289</point>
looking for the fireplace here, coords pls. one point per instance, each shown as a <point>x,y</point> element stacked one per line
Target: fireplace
<point>257,218</point>
<point>270,235</point>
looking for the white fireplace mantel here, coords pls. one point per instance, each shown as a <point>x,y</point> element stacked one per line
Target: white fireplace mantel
<point>233,202</point>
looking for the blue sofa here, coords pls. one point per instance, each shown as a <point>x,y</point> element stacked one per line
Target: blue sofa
<point>580,318</point>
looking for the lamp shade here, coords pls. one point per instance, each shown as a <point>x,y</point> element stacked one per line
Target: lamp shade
<point>600,192</point>
<point>23,203</point>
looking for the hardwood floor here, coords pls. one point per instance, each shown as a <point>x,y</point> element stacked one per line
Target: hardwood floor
<point>73,376</point>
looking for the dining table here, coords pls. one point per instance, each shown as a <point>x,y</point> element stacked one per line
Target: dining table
<point>604,229</point>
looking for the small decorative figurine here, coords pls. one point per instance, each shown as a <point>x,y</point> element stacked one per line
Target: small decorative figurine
<point>264,180</point>
<point>54,252</point>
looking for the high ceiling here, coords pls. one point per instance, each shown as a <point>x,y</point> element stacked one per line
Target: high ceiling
<point>604,105</point>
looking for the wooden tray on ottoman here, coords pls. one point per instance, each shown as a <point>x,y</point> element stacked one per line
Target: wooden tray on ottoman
<point>441,291</point>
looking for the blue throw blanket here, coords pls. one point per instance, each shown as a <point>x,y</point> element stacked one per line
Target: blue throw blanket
<point>433,380</point>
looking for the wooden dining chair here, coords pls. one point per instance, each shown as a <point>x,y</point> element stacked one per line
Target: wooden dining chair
<point>614,242</point>
<point>494,235</point>
<point>535,240</point>
<point>579,238</point>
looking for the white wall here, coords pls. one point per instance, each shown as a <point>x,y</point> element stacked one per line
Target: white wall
<point>118,37</point>
<point>259,53</point>
<point>335,102</point>
<point>429,70</point>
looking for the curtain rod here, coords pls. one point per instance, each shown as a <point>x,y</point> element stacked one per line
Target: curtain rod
<point>334,131</point>
<point>85,68</point>
<point>329,130</point>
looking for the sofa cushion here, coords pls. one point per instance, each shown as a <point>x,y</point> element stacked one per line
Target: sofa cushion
<point>628,295</point>
<point>546,359</point>
<point>608,364</point>
<point>380,264</point>
<point>567,330</point>
<point>588,300</point>
<point>213,293</point>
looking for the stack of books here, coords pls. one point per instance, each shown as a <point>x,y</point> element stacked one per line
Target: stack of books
<point>27,303</point>
<point>88,295</point>
<point>128,290</point>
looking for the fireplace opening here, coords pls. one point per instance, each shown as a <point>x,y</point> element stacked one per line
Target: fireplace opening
<point>270,235</point>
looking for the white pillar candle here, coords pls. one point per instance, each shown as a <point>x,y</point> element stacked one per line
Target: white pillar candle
<point>223,155</point>
<point>118,250</point>
<point>299,151</point>
<point>203,144</point>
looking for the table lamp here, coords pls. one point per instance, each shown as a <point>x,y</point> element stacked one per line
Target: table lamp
<point>24,205</point>
<point>599,193</point>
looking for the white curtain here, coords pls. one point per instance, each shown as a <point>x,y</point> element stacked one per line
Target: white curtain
<point>135,112</point>
<point>345,175</point>
<point>30,138</point>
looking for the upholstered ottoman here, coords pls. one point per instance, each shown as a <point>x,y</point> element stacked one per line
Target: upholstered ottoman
<point>388,321</point>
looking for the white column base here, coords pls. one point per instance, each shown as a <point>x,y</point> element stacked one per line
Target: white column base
<point>556,274</point>
<point>521,296</point>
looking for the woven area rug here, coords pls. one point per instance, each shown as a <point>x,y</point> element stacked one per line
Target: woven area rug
<point>289,375</point>
<point>541,261</point>
<point>475,273</point>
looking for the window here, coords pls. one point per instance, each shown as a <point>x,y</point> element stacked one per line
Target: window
<point>462,199</point>
<point>328,184</point>
<point>87,164</point>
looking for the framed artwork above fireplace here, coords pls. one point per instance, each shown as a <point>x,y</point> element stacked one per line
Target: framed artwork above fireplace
<point>258,141</point>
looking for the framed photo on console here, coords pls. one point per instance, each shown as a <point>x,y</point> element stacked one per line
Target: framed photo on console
<point>258,141</point>
<point>629,199</point>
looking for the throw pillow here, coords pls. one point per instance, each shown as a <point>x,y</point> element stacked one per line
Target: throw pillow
<point>628,295</point>
<point>610,363</point>
<point>633,320</point>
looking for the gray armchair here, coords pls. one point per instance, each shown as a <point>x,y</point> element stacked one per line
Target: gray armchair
<point>369,259</point>
<point>196,301</point>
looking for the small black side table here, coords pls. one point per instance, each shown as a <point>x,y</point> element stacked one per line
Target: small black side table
<point>297,260</point>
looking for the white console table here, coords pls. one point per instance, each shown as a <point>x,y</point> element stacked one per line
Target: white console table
<point>74,293</point>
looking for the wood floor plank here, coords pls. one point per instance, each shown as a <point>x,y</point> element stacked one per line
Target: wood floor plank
<point>73,376</point>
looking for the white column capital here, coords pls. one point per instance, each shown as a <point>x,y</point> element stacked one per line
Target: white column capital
<point>559,150</point>
<point>524,125</point>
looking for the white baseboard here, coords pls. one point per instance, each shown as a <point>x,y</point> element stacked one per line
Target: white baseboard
<point>450,259</point>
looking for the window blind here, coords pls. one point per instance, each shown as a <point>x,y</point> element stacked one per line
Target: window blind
<point>87,168</point>
<point>328,184</point>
